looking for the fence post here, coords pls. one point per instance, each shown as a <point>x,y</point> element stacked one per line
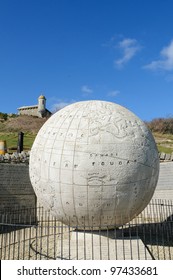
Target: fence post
<point>20,142</point>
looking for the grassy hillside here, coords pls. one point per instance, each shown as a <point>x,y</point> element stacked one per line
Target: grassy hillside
<point>12,139</point>
<point>162,130</point>
<point>164,142</point>
<point>10,128</point>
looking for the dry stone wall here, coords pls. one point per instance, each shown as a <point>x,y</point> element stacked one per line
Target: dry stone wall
<point>164,188</point>
<point>166,157</point>
<point>22,157</point>
<point>16,191</point>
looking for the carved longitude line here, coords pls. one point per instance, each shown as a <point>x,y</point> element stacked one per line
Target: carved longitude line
<point>101,185</point>
<point>54,126</point>
<point>74,155</point>
<point>89,126</point>
<point>89,121</point>
<point>64,141</point>
<point>61,126</point>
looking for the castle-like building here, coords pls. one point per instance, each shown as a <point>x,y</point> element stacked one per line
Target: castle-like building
<point>38,110</point>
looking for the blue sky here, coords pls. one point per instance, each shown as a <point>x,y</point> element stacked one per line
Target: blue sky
<point>73,50</point>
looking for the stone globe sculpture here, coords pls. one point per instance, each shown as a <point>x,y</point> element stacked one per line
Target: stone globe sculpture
<point>94,164</point>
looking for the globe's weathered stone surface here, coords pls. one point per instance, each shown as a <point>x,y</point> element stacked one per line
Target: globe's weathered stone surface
<point>94,163</point>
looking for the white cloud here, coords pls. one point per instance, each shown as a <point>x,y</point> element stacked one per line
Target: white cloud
<point>129,48</point>
<point>61,104</point>
<point>113,93</point>
<point>166,61</point>
<point>86,89</point>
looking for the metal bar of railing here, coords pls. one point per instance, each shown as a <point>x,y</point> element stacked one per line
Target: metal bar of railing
<point>107,234</point>
<point>54,238</point>
<point>100,241</point>
<point>130,238</point>
<point>61,234</point>
<point>20,239</point>
<point>115,237</point>
<point>123,245</point>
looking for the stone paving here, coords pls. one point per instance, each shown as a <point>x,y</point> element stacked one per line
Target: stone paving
<point>89,246</point>
<point>164,189</point>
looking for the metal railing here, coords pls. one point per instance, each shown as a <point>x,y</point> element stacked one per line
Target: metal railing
<point>28,234</point>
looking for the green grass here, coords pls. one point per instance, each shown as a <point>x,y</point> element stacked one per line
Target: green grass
<point>166,146</point>
<point>164,142</point>
<point>12,140</point>
<point>165,150</point>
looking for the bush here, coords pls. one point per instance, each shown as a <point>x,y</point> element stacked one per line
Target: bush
<point>161,125</point>
<point>3,116</point>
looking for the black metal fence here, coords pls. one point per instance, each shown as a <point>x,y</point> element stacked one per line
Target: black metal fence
<point>29,234</point>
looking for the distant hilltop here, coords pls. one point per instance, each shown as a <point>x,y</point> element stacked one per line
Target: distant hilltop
<point>38,110</point>
<point>24,123</point>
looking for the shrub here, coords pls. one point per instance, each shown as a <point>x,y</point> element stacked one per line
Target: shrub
<point>3,116</point>
<point>161,125</point>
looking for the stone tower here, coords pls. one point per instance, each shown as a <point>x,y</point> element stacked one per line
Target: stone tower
<point>41,105</point>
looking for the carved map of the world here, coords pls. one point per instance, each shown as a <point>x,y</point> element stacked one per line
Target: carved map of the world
<point>94,163</point>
